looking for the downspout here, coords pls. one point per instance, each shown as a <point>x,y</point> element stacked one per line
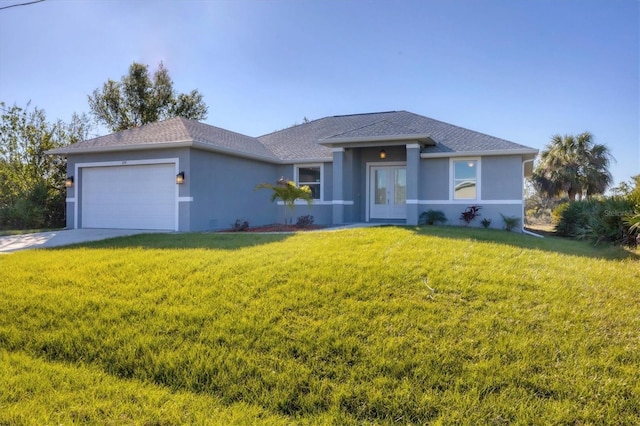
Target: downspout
<point>524,231</point>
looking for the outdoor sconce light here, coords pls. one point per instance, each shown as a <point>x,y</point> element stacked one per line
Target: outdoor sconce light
<point>180,178</point>
<point>68,182</point>
<point>383,154</point>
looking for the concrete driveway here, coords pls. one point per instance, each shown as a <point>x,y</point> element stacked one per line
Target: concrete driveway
<point>64,237</point>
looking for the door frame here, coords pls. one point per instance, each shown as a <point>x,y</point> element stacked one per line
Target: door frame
<point>77,199</point>
<point>369,166</point>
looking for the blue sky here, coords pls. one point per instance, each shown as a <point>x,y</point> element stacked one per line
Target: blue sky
<point>521,70</point>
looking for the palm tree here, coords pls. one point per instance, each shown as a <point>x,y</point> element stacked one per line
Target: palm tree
<point>573,165</point>
<point>288,192</point>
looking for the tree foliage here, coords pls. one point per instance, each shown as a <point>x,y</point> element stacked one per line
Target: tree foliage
<point>140,98</point>
<point>574,166</point>
<point>32,189</point>
<point>288,192</point>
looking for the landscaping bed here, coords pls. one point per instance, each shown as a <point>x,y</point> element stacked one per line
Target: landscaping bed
<point>275,227</point>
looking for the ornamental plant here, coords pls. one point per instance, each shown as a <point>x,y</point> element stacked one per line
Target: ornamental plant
<point>470,214</point>
<point>510,222</point>
<point>288,192</point>
<point>432,217</point>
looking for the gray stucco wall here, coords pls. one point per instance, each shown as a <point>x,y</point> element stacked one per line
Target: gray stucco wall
<point>321,210</point>
<point>502,178</point>
<point>434,179</point>
<point>223,191</point>
<point>489,211</point>
<point>223,187</point>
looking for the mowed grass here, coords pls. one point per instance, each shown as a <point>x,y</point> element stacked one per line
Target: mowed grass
<point>367,326</point>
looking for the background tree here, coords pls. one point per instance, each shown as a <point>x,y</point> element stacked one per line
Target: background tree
<point>288,192</point>
<point>32,193</point>
<point>573,165</point>
<point>139,98</point>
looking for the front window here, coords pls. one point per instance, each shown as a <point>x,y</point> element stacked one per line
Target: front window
<point>465,180</point>
<point>312,177</point>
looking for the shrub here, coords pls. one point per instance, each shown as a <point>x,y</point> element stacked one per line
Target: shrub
<point>597,220</point>
<point>240,226</point>
<point>39,207</point>
<point>431,217</point>
<point>486,222</point>
<point>510,222</point>
<point>304,221</point>
<point>470,214</point>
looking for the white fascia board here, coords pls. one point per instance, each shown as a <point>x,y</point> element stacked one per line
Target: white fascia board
<point>113,148</point>
<point>182,144</point>
<point>524,152</point>
<point>378,140</point>
<point>159,145</point>
<point>305,161</point>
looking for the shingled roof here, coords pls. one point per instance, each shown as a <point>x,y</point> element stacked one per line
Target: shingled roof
<point>310,141</point>
<point>172,133</point>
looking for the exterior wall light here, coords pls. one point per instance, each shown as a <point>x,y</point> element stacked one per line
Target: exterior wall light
<point>383,154</point>
<point>180,178</point>
<point>68,182</point>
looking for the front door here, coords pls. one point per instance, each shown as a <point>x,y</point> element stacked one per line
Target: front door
<point>388,192</point>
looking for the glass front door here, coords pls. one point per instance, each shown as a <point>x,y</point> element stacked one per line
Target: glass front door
<point>388,192</point>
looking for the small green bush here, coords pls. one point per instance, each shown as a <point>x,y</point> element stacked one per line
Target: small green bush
<point>486,222</point>
<point>305,221</point>
<point>431,217</point>
<point>510,222</point>
<point>240,225</point>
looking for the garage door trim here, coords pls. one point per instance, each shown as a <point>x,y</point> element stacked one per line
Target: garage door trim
<point>173,161</point>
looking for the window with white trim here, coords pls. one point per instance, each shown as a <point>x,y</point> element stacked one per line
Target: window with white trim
<point>465,179</point>
<point>310,175</point>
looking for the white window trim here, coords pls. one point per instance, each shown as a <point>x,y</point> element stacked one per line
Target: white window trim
<point>321,166</point>
<point>478,161</point>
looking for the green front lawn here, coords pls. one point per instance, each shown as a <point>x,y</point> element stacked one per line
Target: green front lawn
<point>380,325</point>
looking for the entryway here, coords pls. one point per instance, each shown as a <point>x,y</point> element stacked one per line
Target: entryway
<point>388,191</point>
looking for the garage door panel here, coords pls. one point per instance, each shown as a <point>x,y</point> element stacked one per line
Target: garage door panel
<point>129,197</point>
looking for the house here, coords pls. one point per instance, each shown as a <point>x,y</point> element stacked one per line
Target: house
<point>183,175</point>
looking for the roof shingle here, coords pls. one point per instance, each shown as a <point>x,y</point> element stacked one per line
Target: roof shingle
<point>301,142</point>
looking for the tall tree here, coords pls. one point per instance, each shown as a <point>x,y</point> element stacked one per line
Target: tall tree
<point>140,98</point>
<point>573,165</point>
<point>31,182</point>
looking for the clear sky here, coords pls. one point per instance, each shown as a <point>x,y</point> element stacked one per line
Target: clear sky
<point>521,70</point>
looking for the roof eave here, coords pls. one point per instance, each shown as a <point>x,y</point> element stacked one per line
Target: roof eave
<point>160,145</point>
<point>70,150</point>
<point>527,153</point>
<point>307,160</point>
<point>377,140</point>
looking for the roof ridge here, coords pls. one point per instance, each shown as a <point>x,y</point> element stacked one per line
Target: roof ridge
<point>355,128</point>
<point>292,126</point>
<point>207,126</point>
<point>363,113</point>
<point>464,128</point>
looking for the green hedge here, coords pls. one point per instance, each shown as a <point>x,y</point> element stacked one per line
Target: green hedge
<point>597,220</point>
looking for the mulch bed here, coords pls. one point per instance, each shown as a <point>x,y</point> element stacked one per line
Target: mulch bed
<point>277,228</point>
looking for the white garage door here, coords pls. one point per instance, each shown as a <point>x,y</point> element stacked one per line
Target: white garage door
<point>129,197</point>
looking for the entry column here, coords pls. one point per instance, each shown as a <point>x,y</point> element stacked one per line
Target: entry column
<point>413,179</point>
<point>338,192</point>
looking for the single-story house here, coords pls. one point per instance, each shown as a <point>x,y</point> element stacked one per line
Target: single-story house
<point>182,175</point>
